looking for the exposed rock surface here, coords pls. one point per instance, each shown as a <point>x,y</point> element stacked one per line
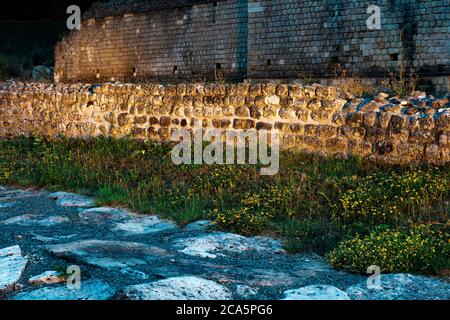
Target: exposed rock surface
<point>126,222</point>
<point>144,225</point>
<point>30,220</point>
<point>90,290</point>
<point>246,292</point>
<point>107,254</point>
<point>40,238</point>
<point>171,263</point>
<point>12,265</point>
<point>316,292</point>
<point>219,244</point>
<point>201,225</point>
<point>66,199</point>
<point>98,215</point>
<point>181,288</point>
<point>134,273</point>
<point>402,287</point>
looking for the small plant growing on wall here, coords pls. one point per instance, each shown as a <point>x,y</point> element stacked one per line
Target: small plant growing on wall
<point>306,78</point>
<point>220,78</point>
<point>401,83</point>
<point>351,83</point>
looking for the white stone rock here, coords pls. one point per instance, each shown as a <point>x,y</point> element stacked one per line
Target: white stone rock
<point>180,288</point>
<point>107,254</point>
<point>90,290</point>
<point>201,225</point>
<point>140,225</point>
<point>66,199</point>
<point>12,265</point>
<point>52,239</point>
<point>218,244</point>
<point>402,287</point>
<point>134,273</point>
<point>48,277</point>
<point>246,292</point>
<point>316,292</point>
<point>30,219</point>
<point>96,215</point>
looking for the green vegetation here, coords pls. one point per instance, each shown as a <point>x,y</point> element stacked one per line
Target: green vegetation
<point>394,198</point>
<point>423,249</point>
<point>351,209</point>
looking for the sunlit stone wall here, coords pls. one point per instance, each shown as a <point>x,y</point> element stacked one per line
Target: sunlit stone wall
<point>314,119</point>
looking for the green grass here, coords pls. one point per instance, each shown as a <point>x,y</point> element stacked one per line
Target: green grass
<point>314,203</point>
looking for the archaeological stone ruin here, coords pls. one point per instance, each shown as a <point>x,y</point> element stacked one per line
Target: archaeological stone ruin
<point>156,58</point>
<point>258,39</point>
<point>315,118</point>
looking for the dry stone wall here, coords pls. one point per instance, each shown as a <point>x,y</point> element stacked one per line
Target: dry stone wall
<point>315,118</point>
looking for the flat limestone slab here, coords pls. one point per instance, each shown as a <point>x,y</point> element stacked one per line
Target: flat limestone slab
<point>134,273</point>
<point>140,225</point>
<point>107,254</point>
<point>102,214</point>
<point>316,292</point>
<point>246,292</point>
<point>36,220</point>
<point>180,288</point>
<point>219,244</point>
<point>67,199</point>
<point>90,290</point>
<point>125,222</point>
<point>201,225</point>
<point>40,238</point>
<point>402,287</point>
<point>12,265</point>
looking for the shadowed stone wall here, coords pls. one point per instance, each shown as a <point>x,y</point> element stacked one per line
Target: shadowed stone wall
<point>300,36</point>
<point>183,39</point>
<point>188,42</point>
<point>315,118</point>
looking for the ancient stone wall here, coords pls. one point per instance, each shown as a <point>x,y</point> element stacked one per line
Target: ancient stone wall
<point>192,42</point>
<point>315,118</point>
<point>292,37</point>
<point>256,38</point>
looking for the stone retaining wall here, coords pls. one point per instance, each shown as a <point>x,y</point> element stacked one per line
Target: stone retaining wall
<point>315,118</point>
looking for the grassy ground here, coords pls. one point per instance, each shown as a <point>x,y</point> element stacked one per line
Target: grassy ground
<point>358,213</point>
